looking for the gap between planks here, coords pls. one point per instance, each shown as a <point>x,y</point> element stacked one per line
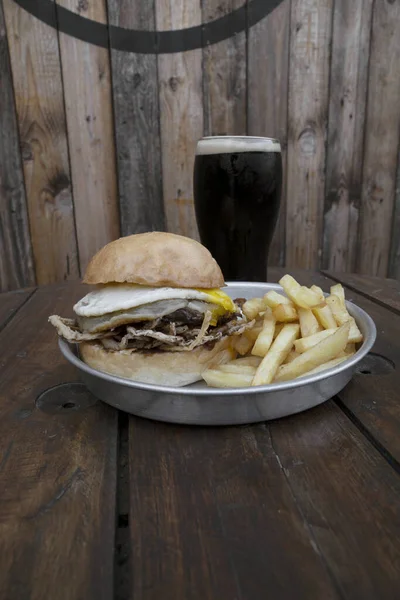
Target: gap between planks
<point>13,313</point>
<point>353,288</point>
<point>122,555</point>
<point>386,455</point>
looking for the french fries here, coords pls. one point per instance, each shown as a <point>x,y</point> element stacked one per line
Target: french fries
<point>325,317</point>
<point>278,329</point>
<point>217,378</point>
<point>277,354</point>
<point>242,344</point>
<point>324,351</point>
<point>266,335</point>
<point>249,361</point>
<point>253,307</point>
<point>293,335</point>
<point>273,299</point>
<point>308,322</point>
<point>318,290</point>
<point>337,290</point>
<point>327,365</point>
<point>299,294</point>
<point>291,356</point>
<point>285,313</point>
<point>235,368</point>
<point>340,314</point>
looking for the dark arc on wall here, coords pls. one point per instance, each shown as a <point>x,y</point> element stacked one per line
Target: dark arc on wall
<point>149,42</point>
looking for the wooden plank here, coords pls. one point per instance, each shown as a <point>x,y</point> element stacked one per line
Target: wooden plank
<point>213,517</point>
<point>268,98</point>
<point>58,468</point>
<point>347,104</point>
<point>394,265</point>
<point>10,302</point>
<point>383,291</point>
<point>268,507</point>
<point>224,76</point>
<point>137,124</point>
<point>16,261</point>
<point>348,496</point>
<point>310,25</point>
<point>40,110</point>
<point>382,140</point>
<point>181,111</point>
<point>88,102</point>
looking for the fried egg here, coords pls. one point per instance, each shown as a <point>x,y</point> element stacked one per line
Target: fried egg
<point>116,297</point>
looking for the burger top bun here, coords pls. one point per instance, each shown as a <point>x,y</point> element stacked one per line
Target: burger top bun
<point>155,259</point>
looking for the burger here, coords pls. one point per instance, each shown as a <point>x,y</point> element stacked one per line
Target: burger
<point>157,313</point>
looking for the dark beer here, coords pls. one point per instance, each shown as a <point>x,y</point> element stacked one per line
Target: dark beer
<point>237,189</point>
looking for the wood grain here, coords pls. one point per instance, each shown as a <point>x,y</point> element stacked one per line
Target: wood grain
<point>382,140</point>
<point>224,76</point>
<point>394,265</point>
<point>16,261</point>
<point>40,111</point>
<point>10,302</point>
<point>347,104</point>
<point>311,24</point>
<point>57,471</point>
<point>348,497</point>
<point>88,103</point>
<point>268,75</point>
<point>137,124</point>
<point>212,516</point>
<point>181,110</point>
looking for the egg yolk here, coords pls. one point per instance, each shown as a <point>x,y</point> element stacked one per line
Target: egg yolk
<point>223,303</point>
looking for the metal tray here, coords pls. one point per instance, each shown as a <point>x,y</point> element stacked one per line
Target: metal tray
<point>198,404</point>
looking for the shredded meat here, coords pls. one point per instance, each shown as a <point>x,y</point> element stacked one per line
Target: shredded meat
<point>183,333</point>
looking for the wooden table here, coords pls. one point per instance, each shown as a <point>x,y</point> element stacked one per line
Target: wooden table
<point>97,505</point>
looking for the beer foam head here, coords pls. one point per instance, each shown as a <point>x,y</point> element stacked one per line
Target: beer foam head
<point>232,144</point>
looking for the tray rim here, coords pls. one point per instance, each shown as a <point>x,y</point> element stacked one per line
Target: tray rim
<point>71,356</point>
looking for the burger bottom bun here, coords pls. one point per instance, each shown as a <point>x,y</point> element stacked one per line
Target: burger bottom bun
<point>159,368</point>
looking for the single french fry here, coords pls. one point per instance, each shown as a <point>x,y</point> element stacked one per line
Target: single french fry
<point>341,316</point>
<point>253,307</point>
<point>273,299</point>
<point>299,294</point>
<point>276,355</point>
<point>355,335</point>
<point>285,313</point>
<point>291,356</point>
<point>351,347</point>
<point>253,333</point>
<point>308,322</point>
<point>338,309</point>
<point>242,344</point>
<point>337,290</point>
<point>278,329</point>
<point>319,291</point>
<point>264,340</point>
<point>324,316</point>
<point>326,350</point>
<point>328,365</point>
<point>217,378</point>
<point>306,343</point>
<point>249,361</point>
<point>232,367</point>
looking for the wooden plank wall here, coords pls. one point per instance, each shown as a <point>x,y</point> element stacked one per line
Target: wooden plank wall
<point>98,134</point>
